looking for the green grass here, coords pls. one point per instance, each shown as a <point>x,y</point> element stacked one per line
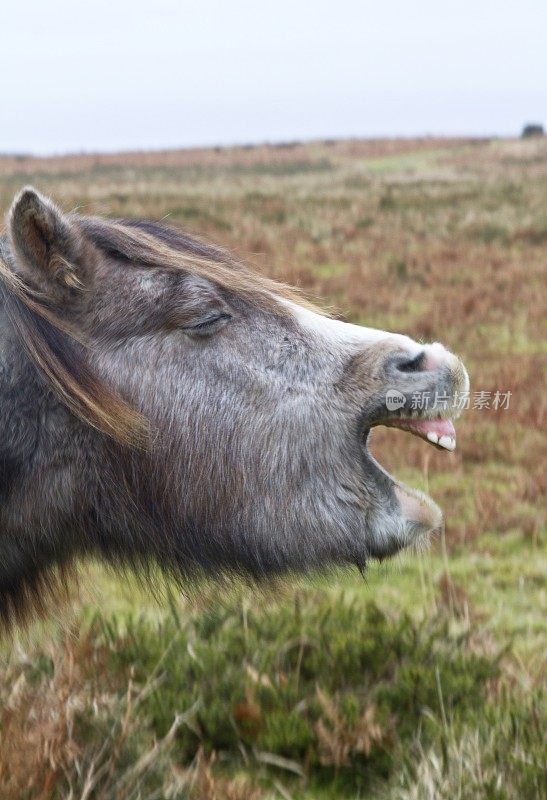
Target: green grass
<point>339,687</point>
<point>419,161</point>
<point>503,579</point>
<point>338,635</point>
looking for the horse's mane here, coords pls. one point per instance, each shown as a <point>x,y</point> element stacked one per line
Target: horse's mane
<point>158,245</point>
<point>57,347</point>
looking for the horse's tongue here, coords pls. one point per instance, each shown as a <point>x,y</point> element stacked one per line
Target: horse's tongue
<point>437,431</point>
<point>442,427</point>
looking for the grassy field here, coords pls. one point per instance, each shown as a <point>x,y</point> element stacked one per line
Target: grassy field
<point>424,680</point>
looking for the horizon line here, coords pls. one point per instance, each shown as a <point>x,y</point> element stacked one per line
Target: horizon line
<point>247,145</point>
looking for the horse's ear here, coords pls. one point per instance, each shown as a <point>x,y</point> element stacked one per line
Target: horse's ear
<point>51,254</point>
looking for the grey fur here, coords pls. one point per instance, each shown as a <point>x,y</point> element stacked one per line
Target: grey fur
<point>257,461</point>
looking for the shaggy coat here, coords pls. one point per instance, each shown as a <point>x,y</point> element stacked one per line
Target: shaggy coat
<point>164,405</point>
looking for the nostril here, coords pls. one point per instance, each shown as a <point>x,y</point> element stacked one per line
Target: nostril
<point>416,364</point>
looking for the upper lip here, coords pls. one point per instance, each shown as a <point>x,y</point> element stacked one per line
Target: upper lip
<point>431,422</point>
<point>437,430</point>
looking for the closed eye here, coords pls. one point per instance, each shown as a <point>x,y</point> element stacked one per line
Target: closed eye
<point>210,324</point>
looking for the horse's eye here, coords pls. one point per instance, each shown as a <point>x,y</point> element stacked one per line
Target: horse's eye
<point>209,325</point>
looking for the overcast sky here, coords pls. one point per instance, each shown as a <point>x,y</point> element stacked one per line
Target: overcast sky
<point>125,74</point>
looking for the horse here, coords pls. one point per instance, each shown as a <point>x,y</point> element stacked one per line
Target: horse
<point>164,405</point>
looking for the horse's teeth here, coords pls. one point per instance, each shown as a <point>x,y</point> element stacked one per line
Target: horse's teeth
<point>448,442</point>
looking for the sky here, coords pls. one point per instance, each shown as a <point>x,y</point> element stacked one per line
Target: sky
<point>107,75</point>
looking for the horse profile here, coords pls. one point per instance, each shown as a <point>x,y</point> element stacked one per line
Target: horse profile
<point>163,404</point>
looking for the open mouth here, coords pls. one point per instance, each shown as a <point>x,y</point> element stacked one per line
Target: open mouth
<point>421,397</point>
<point>417,513</point>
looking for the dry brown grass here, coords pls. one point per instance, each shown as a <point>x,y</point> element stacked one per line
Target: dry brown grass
<point>443,239</point>
<point>201,783</point>
<point>46,750</point>
<point>37,721</point>
<point>339,740</point>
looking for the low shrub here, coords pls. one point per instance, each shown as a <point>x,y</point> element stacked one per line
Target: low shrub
<point>319,692</point>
